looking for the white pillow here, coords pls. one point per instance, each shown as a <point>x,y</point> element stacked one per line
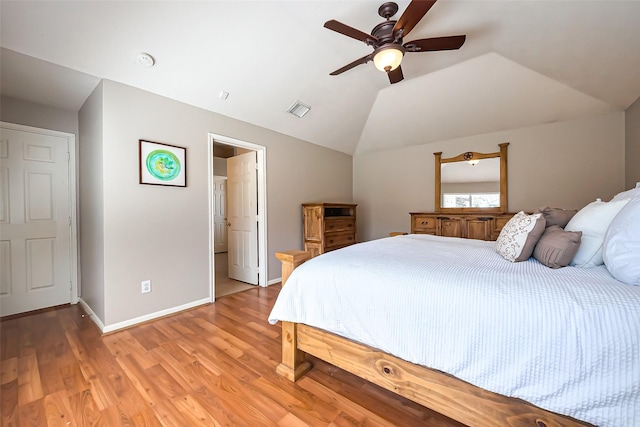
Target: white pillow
<point>629,194</point>
<point>621,249</point>
<point>593,220</point>
<point>519,236</point>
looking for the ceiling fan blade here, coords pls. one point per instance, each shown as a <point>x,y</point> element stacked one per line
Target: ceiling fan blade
<point>348,31</point>
<point>412,15</point>
<point>396,75</point>
<point>435,43</point>
<point>347,67</point>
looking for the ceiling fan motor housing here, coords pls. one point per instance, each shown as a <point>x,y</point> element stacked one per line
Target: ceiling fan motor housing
<point>384,33</point>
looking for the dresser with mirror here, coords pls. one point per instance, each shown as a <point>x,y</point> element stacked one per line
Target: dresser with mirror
<point>470,197</point>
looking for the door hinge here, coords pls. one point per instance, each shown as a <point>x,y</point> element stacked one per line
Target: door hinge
<point>68,156</point>
<point>69,221</point>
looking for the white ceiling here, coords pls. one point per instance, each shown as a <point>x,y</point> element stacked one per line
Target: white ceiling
<point>524,63</point>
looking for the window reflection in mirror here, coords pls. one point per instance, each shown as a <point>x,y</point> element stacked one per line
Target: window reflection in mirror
<point>471,184</point>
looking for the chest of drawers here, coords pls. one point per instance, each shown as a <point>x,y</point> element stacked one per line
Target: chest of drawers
<point>328,226</point>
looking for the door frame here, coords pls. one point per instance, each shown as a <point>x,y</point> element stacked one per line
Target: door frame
<point>261,158</point>
<point>73,200</point>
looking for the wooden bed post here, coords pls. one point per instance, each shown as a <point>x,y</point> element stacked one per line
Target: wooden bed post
<point>293,364</point>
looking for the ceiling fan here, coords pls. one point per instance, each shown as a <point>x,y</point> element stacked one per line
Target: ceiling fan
<point>386,38</point>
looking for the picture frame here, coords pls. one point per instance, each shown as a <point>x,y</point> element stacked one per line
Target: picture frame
<point>162,164</point>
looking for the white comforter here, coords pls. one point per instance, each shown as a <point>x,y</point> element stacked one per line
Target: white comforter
<point>567,340</point>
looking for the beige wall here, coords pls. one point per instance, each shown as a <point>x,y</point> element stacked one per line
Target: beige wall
<point>566,164</point>
<point>37,115</point>
<point>632,148</point>
<point>91,198</point>
<point>161,233</point>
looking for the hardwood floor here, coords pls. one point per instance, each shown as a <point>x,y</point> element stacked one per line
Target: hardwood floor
<point>210,366</point>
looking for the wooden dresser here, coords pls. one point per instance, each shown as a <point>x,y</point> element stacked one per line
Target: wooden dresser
<point>479,226</point>
<point>328,226</point>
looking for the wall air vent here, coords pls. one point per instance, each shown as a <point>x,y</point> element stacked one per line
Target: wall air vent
<point>298,109</point>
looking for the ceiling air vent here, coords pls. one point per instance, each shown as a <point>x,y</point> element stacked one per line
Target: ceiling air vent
<point>298,109</point>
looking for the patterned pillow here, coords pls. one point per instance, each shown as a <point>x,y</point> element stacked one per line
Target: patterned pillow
<point>519,236</point>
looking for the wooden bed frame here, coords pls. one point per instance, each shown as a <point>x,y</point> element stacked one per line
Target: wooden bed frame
<point>433,389</point>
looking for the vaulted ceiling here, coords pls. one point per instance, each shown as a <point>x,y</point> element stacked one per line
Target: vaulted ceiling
<point>523,63</point>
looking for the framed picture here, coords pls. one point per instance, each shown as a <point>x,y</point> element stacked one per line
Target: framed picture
<point>162,164</point>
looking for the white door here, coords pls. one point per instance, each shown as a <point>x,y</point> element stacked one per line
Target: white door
<point>220,214</point>
<point>35,220</point>
<point>242,195</point>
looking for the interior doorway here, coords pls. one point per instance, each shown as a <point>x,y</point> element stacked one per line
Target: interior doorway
<point>222,148</point>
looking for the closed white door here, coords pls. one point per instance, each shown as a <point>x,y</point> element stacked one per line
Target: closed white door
<point>35,221</point>
<point>220,214</point>
<point>242,195</point>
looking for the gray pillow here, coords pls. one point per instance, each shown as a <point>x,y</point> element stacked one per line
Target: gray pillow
<point>556,216</point>
<point>556,248</point>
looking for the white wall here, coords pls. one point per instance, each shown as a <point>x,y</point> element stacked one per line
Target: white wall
<point>565,164</point>
<point>632,148</point>
<point>161,233</point>
<point>91,197</point>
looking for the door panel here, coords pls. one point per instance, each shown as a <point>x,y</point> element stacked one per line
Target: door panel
<point>242,195</point>
<point>35,240</point>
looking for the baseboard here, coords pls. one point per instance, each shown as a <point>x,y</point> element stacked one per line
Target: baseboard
<point>91,314</point>
<point>274,281</point>
<point>141,319</point>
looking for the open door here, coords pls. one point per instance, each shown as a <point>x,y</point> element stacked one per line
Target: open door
<point>242,217</point>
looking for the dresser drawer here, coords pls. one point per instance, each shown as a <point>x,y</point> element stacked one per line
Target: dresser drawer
<point>424,224</point>
<point>336,225</point>
<point>334,240</point>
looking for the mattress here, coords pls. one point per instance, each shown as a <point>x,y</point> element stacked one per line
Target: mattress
<point>566,340</point>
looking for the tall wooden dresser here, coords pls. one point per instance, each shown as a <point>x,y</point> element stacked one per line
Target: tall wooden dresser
<point>328,226</point>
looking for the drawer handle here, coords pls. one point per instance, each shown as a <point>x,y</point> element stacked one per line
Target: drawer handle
<point>425,222</point>
<point>331,226</point>
<point>350,225</point>
<point>350,238</point>
<point>331,241</point>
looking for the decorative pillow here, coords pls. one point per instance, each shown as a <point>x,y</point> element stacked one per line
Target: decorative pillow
<point>556,216</point>
<point>621,248</point>
<point>519,236</point>
<point>593,220</point>
<point>556,248</point>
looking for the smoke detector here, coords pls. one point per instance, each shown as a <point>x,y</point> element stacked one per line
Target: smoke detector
<point>145,59</point>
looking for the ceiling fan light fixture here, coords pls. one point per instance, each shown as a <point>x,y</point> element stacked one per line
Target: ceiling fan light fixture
<point>388,57</point>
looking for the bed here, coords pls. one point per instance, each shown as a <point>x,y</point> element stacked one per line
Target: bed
<point>449,324</point>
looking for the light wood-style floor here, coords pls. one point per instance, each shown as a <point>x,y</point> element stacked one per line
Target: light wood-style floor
<point>209,366</point>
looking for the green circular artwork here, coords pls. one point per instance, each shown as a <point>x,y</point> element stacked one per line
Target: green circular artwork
<point>163,164</point>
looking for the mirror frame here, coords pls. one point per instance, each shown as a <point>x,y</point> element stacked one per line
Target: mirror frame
<point>471,155</point>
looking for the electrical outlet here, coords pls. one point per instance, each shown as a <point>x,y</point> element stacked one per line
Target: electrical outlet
<point>146,286</point>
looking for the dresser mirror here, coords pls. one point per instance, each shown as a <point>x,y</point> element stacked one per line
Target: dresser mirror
<point>471,182</point>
